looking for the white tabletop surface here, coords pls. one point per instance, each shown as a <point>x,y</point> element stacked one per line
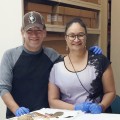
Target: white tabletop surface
<point>76,115</point>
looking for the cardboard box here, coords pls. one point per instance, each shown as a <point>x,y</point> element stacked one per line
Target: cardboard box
<point>57,15</point>
<point>60,13</point>
<point>92,1</point>
<point>71,11</point>
<point>38,7</point>
<point>94,23</point>
<point>88,14</point>
<point>58,10</point>
<point>47,17</point>
<point>57,19</point>
<point>87,21</point>
<point>67,18</point>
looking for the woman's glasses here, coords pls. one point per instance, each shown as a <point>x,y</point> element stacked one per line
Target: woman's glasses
<point>72,37</point>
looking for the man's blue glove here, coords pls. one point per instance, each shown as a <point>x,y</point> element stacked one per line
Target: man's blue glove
<point>21,111</point>
<point>95,108</point>
<point>83,106</point>
<point>96,49</point>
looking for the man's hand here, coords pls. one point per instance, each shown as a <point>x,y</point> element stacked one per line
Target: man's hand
<point>21,111</point>
<point>96,49</point>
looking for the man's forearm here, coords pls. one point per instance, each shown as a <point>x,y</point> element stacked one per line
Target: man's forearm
<point>10,102</point>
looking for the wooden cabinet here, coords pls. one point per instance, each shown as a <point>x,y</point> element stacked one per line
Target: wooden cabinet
<point>97,30</point>
<point>115,42</point>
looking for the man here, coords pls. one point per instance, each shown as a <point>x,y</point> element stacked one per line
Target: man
<point>24,70</point>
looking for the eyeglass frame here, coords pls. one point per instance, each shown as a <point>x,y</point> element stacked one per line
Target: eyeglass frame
<point>79,36</point>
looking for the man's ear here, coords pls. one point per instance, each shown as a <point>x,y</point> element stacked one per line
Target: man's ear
<point>22,33</point>
<point>45,33</point>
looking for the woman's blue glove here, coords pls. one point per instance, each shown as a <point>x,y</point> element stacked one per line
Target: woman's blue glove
<point>83,106</point>
<point>95,108</point>
<point>96,49</point>
<point>21,111</point>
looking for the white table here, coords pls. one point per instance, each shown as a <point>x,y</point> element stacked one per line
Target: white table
<point>77,115</point>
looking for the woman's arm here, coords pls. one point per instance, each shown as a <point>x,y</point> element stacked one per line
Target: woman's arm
<point>54,98</point>
<point>108,87</point>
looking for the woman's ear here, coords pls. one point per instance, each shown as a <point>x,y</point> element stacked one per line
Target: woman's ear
<point>65,37</point>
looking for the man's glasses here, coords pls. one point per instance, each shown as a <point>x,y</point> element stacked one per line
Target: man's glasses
<point>72,37</point>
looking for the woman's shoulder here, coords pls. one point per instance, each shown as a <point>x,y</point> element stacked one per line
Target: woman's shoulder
<point>60,60</point>
<point>99,60</point>
<point>100,57</point>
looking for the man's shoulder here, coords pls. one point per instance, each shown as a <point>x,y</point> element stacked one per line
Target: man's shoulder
<point>51,53</point>
<point>13,52</point>
<point>48,49</point>
<point>15,49</point>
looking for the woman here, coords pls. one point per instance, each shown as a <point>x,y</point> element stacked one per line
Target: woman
<point>81,80</point>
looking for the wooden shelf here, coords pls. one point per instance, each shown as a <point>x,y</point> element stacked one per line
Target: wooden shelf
<point>93,31</point>
<point>60,28</point>
<point>55,28</point>
<point>83,4</point>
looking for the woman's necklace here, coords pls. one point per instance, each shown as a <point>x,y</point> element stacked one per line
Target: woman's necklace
<point>77,75</point>
<point>80,80</point>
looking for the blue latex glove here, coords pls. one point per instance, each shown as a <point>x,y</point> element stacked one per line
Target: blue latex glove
<point>96,49</point>
<point>95,108</point>
<point>21,111</point>
<point>83,106</point>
